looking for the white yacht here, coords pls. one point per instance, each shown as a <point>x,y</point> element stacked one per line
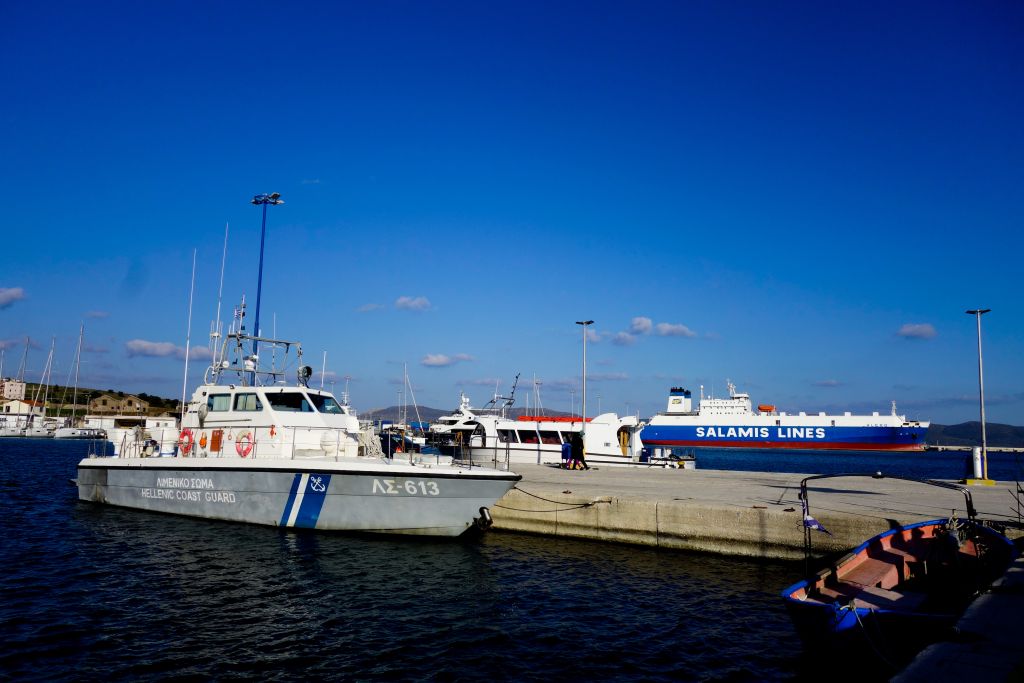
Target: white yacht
<point>492,436</point>
<point>609,440</point>
<point>80,433</point>
<point>254,449</point>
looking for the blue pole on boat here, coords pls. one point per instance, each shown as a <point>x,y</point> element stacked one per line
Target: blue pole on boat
<point>264,199</point>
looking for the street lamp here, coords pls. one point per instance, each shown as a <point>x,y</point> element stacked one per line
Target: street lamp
<point>274,198</point>
<point>977,313</point>
<point>583,408</point>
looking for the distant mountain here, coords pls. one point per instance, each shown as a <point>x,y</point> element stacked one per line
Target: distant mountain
<point>969,434</point>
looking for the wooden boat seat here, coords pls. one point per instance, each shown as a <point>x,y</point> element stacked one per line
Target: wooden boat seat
<point>872,597</point>
<point>880,598</point>
<point>874,572</point>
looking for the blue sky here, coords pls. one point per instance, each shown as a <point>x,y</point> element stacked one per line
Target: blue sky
<point>801,197</point>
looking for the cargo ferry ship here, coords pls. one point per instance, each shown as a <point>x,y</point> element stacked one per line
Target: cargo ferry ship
<point>733,423</point>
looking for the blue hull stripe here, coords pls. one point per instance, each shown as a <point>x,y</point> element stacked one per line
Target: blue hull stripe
<point>291,500</point>
<point>312,501</point>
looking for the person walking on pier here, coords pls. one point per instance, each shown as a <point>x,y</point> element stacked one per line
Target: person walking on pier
<point>579,457</point>
<point>566,454</point>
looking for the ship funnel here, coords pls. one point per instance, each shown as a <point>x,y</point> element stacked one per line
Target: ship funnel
<point>679,401</point>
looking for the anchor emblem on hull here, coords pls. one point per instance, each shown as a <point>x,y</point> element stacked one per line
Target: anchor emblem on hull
<point>317,484</point>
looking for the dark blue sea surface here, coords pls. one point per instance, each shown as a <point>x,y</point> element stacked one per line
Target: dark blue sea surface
<point>920,464</point>
<point>92,592</point>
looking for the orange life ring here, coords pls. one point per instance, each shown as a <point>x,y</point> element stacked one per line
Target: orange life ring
<point>243,446</point>
<point>202,440</point>
<point>186,440</point>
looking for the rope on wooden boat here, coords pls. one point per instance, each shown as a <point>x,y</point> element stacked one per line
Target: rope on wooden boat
<point>546,500</point>
<point>853,607</point>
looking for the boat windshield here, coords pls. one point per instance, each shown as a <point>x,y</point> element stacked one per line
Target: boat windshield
<point>326,404</point>
<point>289,401</point>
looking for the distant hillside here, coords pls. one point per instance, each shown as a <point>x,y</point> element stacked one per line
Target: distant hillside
<point>969,434</point>
<point>60,398</point>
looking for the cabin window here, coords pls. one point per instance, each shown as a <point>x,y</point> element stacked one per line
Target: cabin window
<point>290,402</point>
<point>506,436</point>
<point>326,404</point>
<point>528,437</point>
<point>248,402</point>
<point>549,437</point>
<point>219,402</point>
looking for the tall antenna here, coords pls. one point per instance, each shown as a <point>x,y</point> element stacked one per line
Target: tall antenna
<point>188,333</point>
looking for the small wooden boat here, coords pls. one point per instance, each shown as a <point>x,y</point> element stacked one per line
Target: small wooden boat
<point>900,590</point>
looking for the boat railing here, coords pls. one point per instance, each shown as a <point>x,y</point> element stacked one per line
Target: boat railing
<point>256,443</point>
<point>500,455</point>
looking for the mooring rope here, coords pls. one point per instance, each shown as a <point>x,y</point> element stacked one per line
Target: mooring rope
<point>546,500</point>
<point>878,652</point>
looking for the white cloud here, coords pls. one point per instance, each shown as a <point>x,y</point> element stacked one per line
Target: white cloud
<point>623,339</point>
<point>607,377</point>
<point>8,295</point>
<point>150,349</point>
<point>440,360</point>
<point>641,325</point>
<point>9,343</point>
<point>198,353</point>
<point>828,383</point>
<point>311,181</point>
<point>409,303</point>
<point>674,330</point>
<point>365,308</point>
<point>141,347</point>
<point>593,335</point>
<point>482,382</point>
<point>917,331</point>
<point>97,314</point>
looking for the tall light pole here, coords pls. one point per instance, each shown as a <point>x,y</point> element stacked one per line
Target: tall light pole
<point>274,198</point>
<point>583,408</point>
<point>977,313</point>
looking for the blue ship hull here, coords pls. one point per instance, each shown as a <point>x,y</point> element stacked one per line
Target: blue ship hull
<point>906,438</point>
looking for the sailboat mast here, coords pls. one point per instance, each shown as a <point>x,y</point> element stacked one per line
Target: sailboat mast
<point>218,325</point>
<point>49,373</point>
<point>78,363</point>
<point>188,333</point>
<point>24,360</point>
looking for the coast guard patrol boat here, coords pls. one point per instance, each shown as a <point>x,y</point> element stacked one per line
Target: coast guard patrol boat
<point>732,423</point>
<point>257,450</point>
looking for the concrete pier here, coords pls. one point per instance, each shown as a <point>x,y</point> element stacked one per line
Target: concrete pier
<point>988,644</point>
<point>751,514</point>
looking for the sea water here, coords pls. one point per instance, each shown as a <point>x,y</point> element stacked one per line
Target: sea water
<point>92,592</point>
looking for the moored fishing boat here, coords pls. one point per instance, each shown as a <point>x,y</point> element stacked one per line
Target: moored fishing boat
<point>732,423</point>
<point>900,590</point>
